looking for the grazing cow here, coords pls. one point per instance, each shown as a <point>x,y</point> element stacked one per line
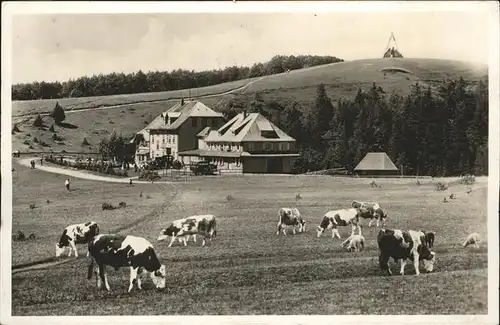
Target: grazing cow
<point>370,210</point>
<point>354,243</point>
<point>121,251</point>
<point>204,225</point>
<point>403,245</point>
<point>339,218</point>
<point>80,233</point>
<point>290,217</point>
<point>472,239</point>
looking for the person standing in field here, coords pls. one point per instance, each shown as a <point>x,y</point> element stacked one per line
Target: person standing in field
<point>66,183</point>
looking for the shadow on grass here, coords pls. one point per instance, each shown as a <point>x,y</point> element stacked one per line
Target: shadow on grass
<point>67,125</point>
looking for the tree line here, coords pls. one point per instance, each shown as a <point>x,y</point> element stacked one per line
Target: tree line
<point>156,81</point>
<point>438,132</point>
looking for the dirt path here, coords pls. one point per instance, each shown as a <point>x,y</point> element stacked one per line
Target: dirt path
<point>83,109</point>
<point>82,174</point>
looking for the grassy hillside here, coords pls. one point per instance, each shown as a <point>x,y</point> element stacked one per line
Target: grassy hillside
<point>341,80</point>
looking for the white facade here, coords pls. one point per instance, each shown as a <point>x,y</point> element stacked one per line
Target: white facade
<point>159,143</point>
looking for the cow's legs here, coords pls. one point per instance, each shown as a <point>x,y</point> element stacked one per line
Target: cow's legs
<point>335,233</point>
<point>171,241</point>
<point>416,263</point>
<point>103,276</point>
<point>370,223</point>
<point>403,264</point>
<point>203,241</point>
<point>384,263</point>
<point>133,278</point>
<point>194,238</point>
<point>139,281</point>
<point>283,229</point>
<point>294,230</point>
<point>98,277</point>
<point>73,245</point>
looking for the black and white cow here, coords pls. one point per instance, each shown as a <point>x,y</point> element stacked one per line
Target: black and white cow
<point>339,218</point>
<point>203,225</point>
<point>80,233</point>
<point>125,251</point>
<point>372,211</point>
<point>290,217</point>
<point>354,243</point>
<point>403,245</point>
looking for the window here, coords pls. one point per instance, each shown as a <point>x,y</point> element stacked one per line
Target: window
<point>157,146</point>
<point>163,139</point>
<point>193,121</point>
<point>204,122</point>
<point>173,139</point>
<point>237,162</point>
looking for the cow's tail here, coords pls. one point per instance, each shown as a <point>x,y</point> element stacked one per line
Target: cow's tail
<point>90,269</point>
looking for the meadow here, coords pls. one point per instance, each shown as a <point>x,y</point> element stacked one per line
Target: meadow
<point>247,269</point>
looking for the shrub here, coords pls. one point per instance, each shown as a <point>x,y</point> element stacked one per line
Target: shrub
<point>19,236</point>
<point>58,114</point>
<point>26,142</point>
<point>32,206</point>
<point>63,151</point>
<point>35,140</point>
<point>111,122</point>
<point>140,195</point>
<point>468,179</point>
<point>122,204</point>
<point>15,128</point>
<point>56,137</point>
<point>229,198</point>
<point>32,237</point>
<point>38,122</point>
<point>85,142</point>
<point>441,186</point>
<point>48,201</point>
<point>107,206</point>
<point>149,175</point>
<point>298,197</point>
<point>30,147</point>
<point>51,129</point>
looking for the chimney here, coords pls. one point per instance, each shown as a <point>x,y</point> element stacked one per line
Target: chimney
<point>244,114</point>
<point>182,101</point>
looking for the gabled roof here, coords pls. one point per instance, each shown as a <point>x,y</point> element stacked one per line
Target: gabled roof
<point>189,109</point>
<point>249,127</point>
<point>376,161</point>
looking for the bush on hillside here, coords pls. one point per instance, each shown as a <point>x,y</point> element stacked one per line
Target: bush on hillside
<point>26,142</point>
<point>107,206</point>
<point>468,179</point>
<point>122,204</point>
<point>51,129</point>
<point>56,137</point>
<point>58,114</point>
<point>85,142</point>
<point>149,175</point>
<point>15,128</point>
<point>38,122</point>
<point>441,187</point>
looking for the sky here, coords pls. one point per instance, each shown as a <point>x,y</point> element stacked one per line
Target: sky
<point>53,47</point>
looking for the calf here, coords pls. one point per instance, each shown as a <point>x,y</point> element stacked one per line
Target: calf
<point>290,217</point>
<point>372,211</point>
<point>472,239</point>
<point>122,251</point>
<point>339,218</point>
<point>354,243</point>
<point>409,246</point>
<point>81,233</point>
<point>204,225</point>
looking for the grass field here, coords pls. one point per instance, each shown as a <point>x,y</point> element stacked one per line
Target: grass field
<point>341,80</point>
<point>247,269</point>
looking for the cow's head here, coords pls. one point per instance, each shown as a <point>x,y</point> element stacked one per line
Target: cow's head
<point>427,257</point>
<point>158,277</point>
<point>59,250</point>
<point>323,226</point>
<point>165,233</point>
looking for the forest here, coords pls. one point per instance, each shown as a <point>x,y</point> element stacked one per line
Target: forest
<point>156,81</point>
<point>440,131</point>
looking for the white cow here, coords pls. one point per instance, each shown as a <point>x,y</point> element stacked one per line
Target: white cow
<point>339,218</point>
<point>354,243</point>
<point>204,225</point>
<point>472,239</point>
